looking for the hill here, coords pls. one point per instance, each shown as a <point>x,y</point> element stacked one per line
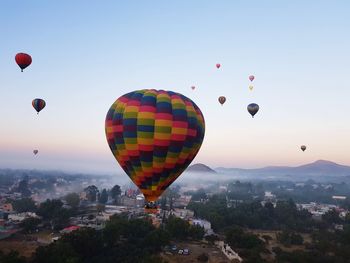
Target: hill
<point>317,168</point>
<point>200,168</point>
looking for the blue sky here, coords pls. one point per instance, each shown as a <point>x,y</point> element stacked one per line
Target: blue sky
<point>86,54</point>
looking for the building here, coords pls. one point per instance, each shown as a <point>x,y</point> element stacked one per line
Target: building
<point>7,208</point>
<point>228,251</point>
<point>182,213</point>
<point>205,224</point>
<point>69,229</point>
<point>339,197</point>
<point>19,217</point>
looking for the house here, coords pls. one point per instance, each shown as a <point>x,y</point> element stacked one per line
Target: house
<point>205,224</point>
<point>183,213</point>
<point>339,197</point>
<point>19,217</point>
<point>69,229</point>
<point>339,227</point>
<point>7,207</point>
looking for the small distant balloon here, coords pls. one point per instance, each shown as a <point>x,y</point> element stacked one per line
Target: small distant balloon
<point>193,87</point>
<point>253,108</point>
<point>222,100</point>
<point>251,77</point>
<point>251,87</point>
<point>23,60</point>
<point>38,104</point>
<point>303,148</point>
<point>35,152</point>
<point>218,65</point>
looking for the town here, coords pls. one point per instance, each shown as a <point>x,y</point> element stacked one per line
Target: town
<point>37,209</point>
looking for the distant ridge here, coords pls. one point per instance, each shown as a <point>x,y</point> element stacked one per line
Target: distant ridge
<point>200,168</point>
<point>320,167</point>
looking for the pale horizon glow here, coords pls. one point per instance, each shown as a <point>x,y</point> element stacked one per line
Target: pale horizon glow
<point>86,55</point>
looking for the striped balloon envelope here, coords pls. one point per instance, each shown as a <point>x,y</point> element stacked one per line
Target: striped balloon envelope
<point>38,104</point>
<point>154,135</point>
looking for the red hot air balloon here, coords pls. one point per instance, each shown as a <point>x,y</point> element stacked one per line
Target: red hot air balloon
<point>23,60</point>
<point>222,100</point>
<point>218,65</point>
<point>38,104</point>
<point>251,77</point>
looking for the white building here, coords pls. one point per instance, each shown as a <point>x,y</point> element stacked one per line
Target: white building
<point>228,251</point>
<point>21,216</point>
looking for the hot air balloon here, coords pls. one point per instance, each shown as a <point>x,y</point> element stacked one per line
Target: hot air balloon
<point>251,87</point>
<point>154,135</point>
<point>23,60</point>
<point>253,108</point>
<point>222,100</point>
<point>303,148</point>
<point>35,152</point>
<point>193,87</point>
<point>251,77</point>
<point>38,104</point>
<point>218,65</point>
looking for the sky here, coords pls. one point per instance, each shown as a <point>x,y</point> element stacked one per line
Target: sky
<point>86,54</point>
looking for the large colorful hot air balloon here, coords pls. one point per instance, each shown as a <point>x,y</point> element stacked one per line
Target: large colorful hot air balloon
<point>253,108</point>
<point>35,152</point>
<point>222,100</point>
<point>218,65</point>
<point>23,60</point>
<point>38,104</point>
<point>154,135</point>
<point>303,148</point>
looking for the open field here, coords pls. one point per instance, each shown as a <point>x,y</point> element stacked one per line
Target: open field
<point>196,249</point>
<point>25,244</point>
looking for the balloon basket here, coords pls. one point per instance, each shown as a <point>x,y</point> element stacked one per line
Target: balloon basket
<point>151,208</point>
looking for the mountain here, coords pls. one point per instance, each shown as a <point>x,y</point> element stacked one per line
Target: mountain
<point>200,168</point>
<point>318,168</point>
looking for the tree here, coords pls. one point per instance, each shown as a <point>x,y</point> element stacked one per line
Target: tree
<point>50,208</point>
<point>196,232</point>
<point>91,193</point>
<point>103,197</point>
<point>30,224</point>
<point>332,217</point>
<point>177,228</point>
<point>203,257</point>
<point>72,200</point>
<point>23,187</point>
<point>24,205</point>
<point>115,192</point>
<point>12,257</point>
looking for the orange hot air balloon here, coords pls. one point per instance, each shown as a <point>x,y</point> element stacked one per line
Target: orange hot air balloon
<point>222,100</point>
